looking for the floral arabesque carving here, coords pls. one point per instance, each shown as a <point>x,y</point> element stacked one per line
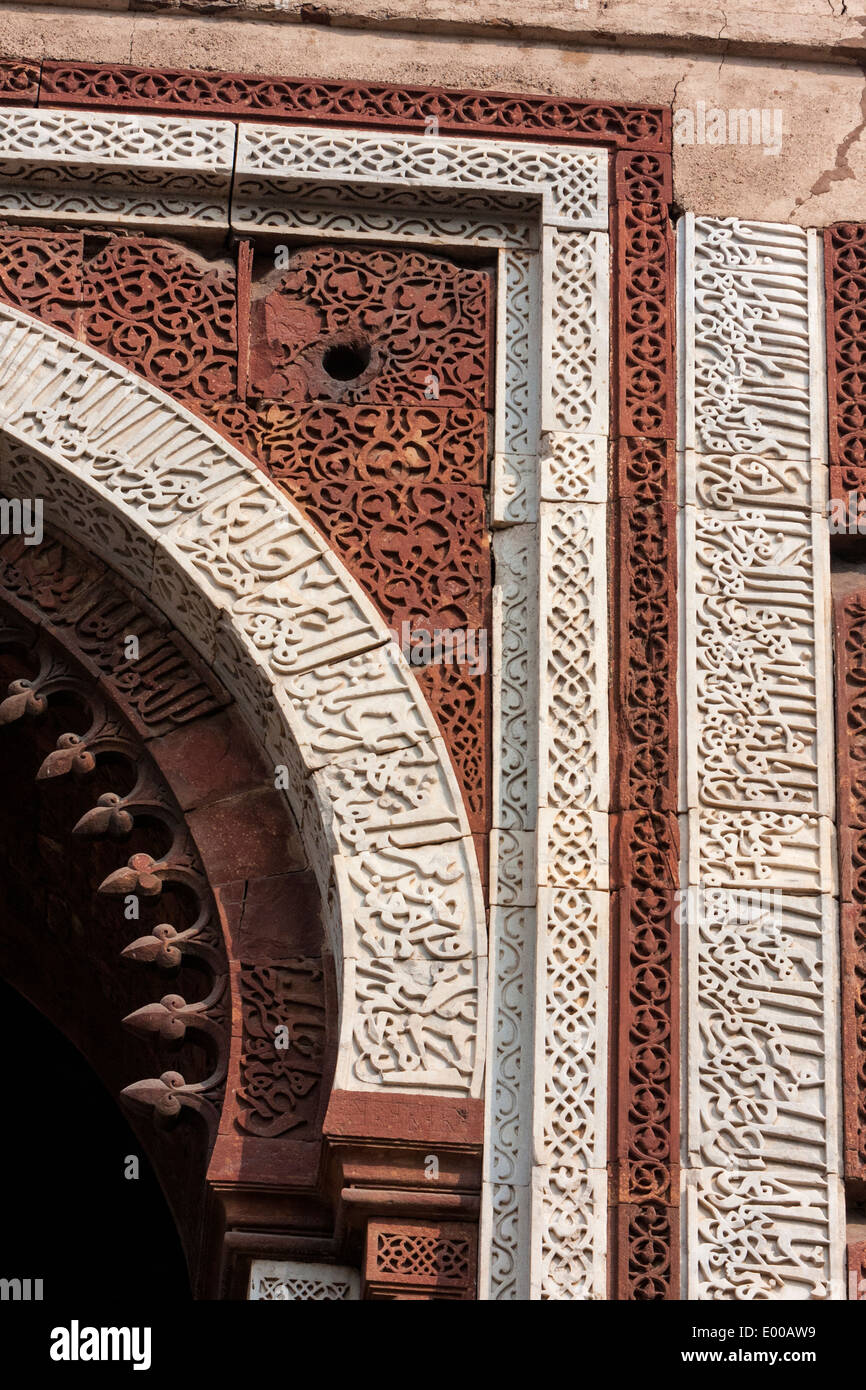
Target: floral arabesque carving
<point>419,545</point>
<point>420,323</point>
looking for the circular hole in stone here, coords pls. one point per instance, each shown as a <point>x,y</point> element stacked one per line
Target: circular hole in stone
<point>346,361</point>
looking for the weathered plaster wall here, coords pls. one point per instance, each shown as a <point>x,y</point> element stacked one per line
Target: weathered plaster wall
<point>819,175</point>
<point>786,28</point>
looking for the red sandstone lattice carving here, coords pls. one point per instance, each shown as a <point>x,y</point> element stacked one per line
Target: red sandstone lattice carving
<point>165,313</point>
<point>850,640</point>
<point>645,383</point>
<point>40,272</point>
<point>421,324</point>
<point>411,1259</point>
<point>644,838</point>
<point>845,276</point>
<point>352,103</point>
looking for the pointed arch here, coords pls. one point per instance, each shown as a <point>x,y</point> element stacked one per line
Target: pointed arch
<point>256,591</point>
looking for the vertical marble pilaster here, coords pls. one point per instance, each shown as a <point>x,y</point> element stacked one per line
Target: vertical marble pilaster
<point>761,1160</point>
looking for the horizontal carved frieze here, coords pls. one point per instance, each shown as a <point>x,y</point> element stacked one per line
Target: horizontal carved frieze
<point>571,183</point>
<point>111,167</point>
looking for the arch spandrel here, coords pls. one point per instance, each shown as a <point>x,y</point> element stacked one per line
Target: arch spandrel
<point>250,584</point>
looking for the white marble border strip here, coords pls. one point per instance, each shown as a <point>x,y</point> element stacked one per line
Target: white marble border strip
<point>762,1145</point>
<point>85,167</point>
<point>297,1281</point>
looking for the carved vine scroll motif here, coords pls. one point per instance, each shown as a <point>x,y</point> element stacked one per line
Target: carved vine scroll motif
<point>166,313</point>
<point>40,272</point>
<point>405,314</point>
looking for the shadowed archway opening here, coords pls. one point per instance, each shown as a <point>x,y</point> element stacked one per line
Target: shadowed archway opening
<point>71,1215</point>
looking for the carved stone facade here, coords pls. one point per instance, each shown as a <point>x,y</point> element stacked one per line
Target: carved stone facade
<point>319,374</point>
<point>398,491</point>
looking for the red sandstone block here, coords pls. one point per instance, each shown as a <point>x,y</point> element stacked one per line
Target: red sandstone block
<point>637,1181</point>
<point>644,702</point>
<point>250,835</point>
<point>482,852</point>
<point>647,931</point>
<point>325,442</point>
<point>273,1164</point>
<point>19,82</point>
<point>857,1270</point>
<point>853,943</point>
<point>647,1253</point>
<point>362,325</point>
<point>644,376</point>
<point>845,285</point>
<point>404,1118</point>
<point>40,273</point>
<point>229,900</point>
<point>461,705</point>
<point>166,313</point>
<point>645,469</point>
<point>210,758</point>
<point>281,918</point>
<point>645,849</point>
<point>417,1258</point>
<point>422,552</point>
<point>849,634</point>
<point>642,177</point>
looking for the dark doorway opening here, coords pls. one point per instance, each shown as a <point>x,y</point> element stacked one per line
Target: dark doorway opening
<point>70,1215</point>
